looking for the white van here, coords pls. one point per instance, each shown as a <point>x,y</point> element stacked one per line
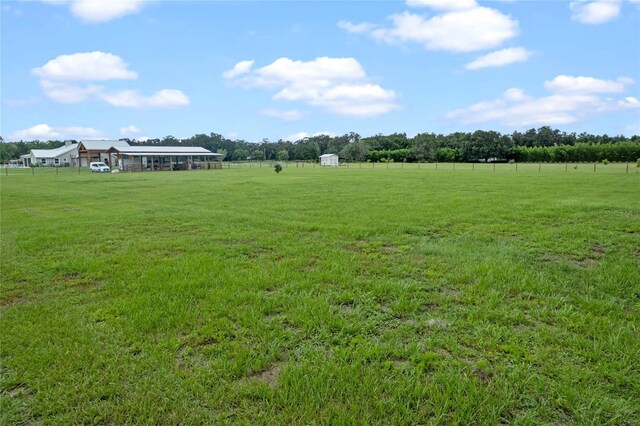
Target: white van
<point>99,167</point>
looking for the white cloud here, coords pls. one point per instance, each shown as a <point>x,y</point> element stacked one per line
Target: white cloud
<point>362,27</point>
<point>301,135</point>
<point>39,131</point>
<point>444,4</point>
<point>515,94</point>
<point>288,115</point>
<point>89,66</point>
<point>462,27</point>
<point>47,132</point>
<point>21,102</point>
<point>595,12</point>
<point>100,10</point>
<point>338,85</point>
<point>580,84</point>
<point>240,68</point>
<point>132,99</point>
<point>69,93</point>
<point>62,77</point>
<point>629,102</point>
<point>320,72</point>
<point>129,130</point>
<point>516,109</point>
<point>500,58</point>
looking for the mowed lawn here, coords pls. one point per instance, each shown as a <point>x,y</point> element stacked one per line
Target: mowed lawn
<point>389,296</point>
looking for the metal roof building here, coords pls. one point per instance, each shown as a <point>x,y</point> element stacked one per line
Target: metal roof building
<point>96,150</point>
<point>61,156</point>
<point>329,160</point>
<point>155,158</point>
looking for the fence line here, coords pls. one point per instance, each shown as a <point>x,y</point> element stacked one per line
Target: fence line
<point>617,168</point>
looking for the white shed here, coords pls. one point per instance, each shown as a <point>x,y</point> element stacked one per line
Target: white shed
<point>329,160</point>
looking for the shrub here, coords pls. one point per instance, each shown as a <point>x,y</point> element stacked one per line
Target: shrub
<point>277,168</point>
<point>605,161</point>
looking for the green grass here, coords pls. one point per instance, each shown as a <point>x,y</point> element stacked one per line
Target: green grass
<point>359,295</point>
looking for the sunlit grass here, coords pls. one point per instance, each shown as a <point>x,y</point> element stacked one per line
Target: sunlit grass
<point>366,295</point>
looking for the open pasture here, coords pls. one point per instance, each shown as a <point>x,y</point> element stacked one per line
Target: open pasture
<point>331,296</point>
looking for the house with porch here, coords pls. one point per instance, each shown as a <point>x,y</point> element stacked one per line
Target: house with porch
<point>64,156</point>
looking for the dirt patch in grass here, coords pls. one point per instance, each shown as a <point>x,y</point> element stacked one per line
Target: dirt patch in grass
<point>482,375</point>
<point>402,320</point>
<point>273,315</point>
<point>12,299</point>
<point>375,248</point>
<point>18,391</point>
<point>437,323</point>
<point>312,264</point>
<point>78,280</point>
<point>270,375</point>
<point>579,262</point>
<point>450,292</point>
<point>585,262</point>
<point>247,249</point>
<point>189,355</point>
<point>347,306</point>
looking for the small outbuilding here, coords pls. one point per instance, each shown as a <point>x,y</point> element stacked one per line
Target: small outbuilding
<point>329,160</point>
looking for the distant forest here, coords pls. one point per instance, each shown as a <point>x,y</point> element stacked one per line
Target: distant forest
<point>535,145</point>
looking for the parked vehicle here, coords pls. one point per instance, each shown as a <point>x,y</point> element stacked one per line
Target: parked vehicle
<point>99,167</point>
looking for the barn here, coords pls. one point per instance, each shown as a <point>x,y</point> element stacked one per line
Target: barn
<point>157,158</point>
<point>329,160</point>
<point>96,150</point>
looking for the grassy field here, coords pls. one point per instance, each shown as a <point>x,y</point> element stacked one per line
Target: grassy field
<point>359,295</point>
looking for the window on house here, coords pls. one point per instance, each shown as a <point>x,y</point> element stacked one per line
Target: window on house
<point>65,160</point>
<point>56,161</point>
<point>43,161</point>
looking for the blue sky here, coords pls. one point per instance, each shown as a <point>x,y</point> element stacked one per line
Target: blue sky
<point>86,69</point>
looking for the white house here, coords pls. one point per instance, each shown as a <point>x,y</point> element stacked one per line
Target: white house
<point>329,160</point>
<point>58,157</point>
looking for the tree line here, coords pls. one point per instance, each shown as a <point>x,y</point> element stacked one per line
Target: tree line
<point>535,145</point>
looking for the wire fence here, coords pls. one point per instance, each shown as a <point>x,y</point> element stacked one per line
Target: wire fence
<point>609,168</point>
